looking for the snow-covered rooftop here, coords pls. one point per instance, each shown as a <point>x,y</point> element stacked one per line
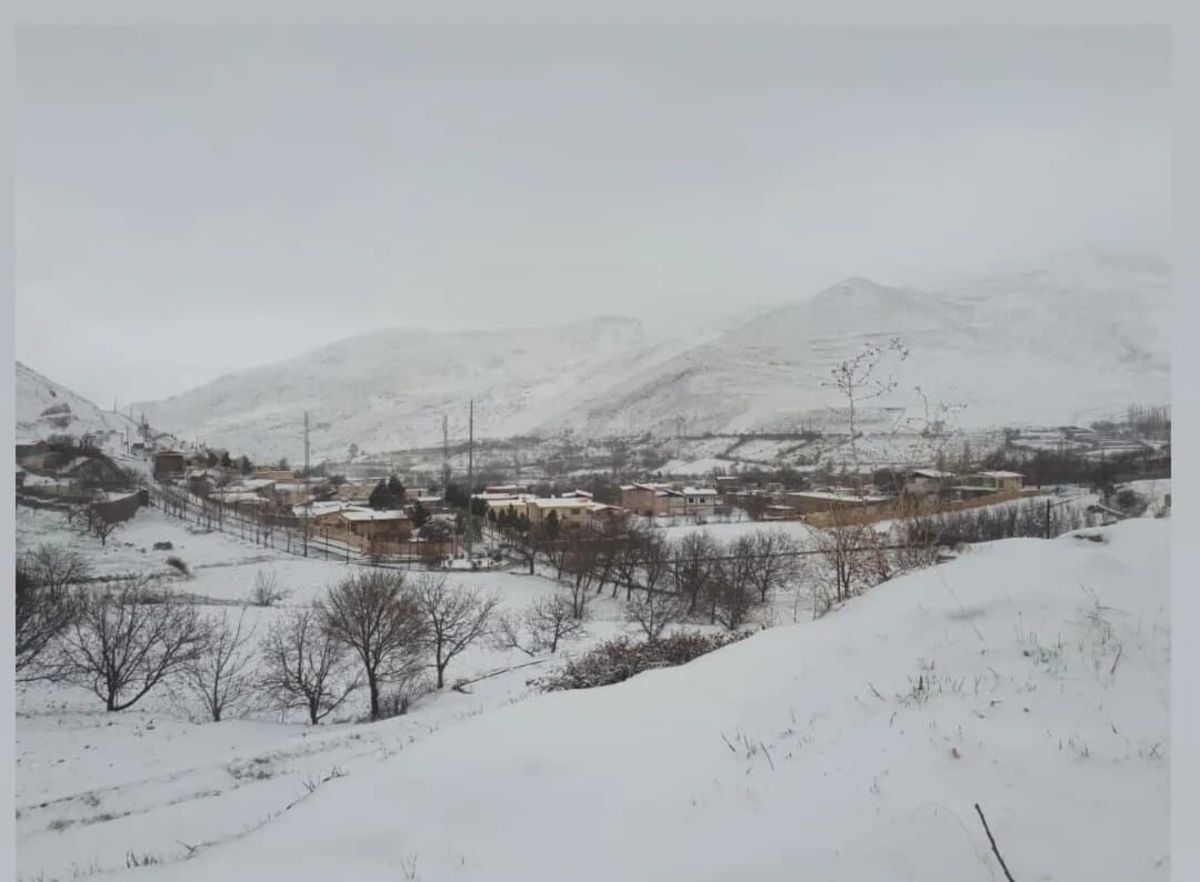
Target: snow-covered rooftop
<point>999,474</point>
<point>367,514</point>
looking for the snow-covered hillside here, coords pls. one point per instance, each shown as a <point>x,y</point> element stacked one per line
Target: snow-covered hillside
<point>390,389</point>
<point>45,408</point>
<point>1082,336</point>
<point>1028,676</point>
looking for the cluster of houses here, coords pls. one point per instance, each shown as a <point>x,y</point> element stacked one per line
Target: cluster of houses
<point>911,488</point>
<point>571,510</point>
<point>56,475</point>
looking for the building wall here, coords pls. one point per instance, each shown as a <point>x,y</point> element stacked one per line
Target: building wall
<point>640,501</point>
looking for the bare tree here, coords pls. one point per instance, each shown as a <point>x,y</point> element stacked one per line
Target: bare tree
<point>731,589</point>
<point>840,566</point>
<point>654,611</point>
<point>44,607</point>
<point>693,564</point>
<point>774,561</point>
<point>95,524</point>
<point>454,619</point>
<point>375,615</point>
<point>221,674</point>
<point>548,622</point>
<point>857,381</point>
<point>305,667</point>
<point>128,639</point>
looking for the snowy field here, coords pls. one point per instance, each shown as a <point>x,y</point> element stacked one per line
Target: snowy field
<point>1028,676</point>
<point>93,787</point>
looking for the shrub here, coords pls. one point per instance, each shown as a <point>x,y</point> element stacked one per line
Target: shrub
<point>163,546</point>
<point>399,700</point>
<point>621,658</point>
<point>267,591</point>
<point>177,563</point>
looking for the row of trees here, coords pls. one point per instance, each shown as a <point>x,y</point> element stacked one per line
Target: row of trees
<point>375,630</point>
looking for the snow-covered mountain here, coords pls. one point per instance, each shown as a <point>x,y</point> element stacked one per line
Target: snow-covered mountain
<point>45,408</point>
<point>1078,338</point>
<point>390,389</point>
<point>1083,336</point>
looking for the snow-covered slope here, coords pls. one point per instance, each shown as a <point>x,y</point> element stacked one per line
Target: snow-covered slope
<point>390,389</point>
<point>1081,336</point>
<point>45,408</point>
<point>1029,676</point>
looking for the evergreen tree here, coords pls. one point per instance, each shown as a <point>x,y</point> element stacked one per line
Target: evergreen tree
<point>418,515</point>
<point>380,499</point>
<point>552,525</point>
<point>226,462</point>
<point>244,465</point>
<point>395,490</point>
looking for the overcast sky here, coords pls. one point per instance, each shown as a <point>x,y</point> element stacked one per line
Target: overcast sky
<point>193,201</point>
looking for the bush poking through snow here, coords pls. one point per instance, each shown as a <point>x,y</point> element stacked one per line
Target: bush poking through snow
<point>400,698</point>
<point>179,565</point>
<point>267,590</point>
<point>163,546</point>
<point>619,659</point>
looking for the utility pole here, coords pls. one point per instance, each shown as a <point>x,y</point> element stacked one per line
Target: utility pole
<point>307,504</point>
<point>445,452</point>
<point>470,473</point>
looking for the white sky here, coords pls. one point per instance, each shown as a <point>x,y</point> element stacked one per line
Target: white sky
<point>193,201</point>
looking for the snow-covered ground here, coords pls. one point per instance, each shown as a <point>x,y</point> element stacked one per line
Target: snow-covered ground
<point>1028,676</point>
<point>93,787</point>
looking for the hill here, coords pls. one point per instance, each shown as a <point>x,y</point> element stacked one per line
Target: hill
<point>1080,337</point>
<point>1028,676</point>
<point>45,408</point>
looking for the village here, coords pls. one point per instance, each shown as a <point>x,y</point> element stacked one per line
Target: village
<point>425,516</point>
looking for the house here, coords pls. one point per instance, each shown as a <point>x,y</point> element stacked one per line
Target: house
<point>812,501</point>
<point>323,514</point>
<point>35,455</point>
<point>569,512</point>
<point>386,526</point>
<point>573,512</point>
<point>95,471</point>
<point>242,500</point>
<point>699,501</point>
<point>169,464</point>
<point>646,499</point>
<point>355,491</point>
<point>600,515</point>
<point>272,474</point>
<point>293,492</point>
<point>923,482</point>
<point>264,487</point>
<point>999,481</point>
<point>204,481</point>
<point>505,489</point>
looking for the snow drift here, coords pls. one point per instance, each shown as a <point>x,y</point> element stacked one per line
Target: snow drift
<point>1029,676</point>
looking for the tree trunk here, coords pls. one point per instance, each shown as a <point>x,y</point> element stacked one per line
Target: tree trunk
<point>373,688</point>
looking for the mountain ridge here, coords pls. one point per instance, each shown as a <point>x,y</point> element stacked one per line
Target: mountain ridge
<point>1100,329</point>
